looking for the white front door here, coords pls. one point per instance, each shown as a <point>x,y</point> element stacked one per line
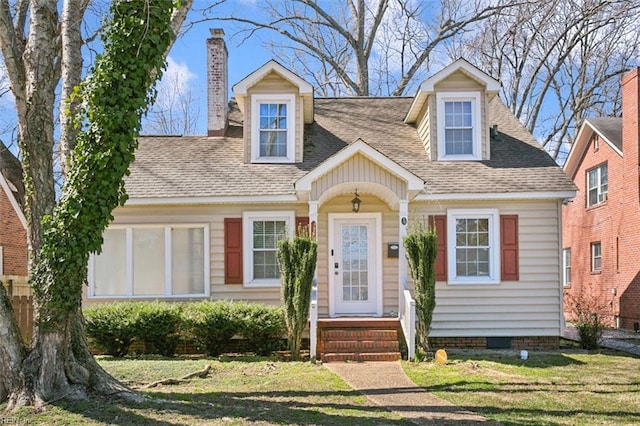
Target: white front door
<point>355,269</point>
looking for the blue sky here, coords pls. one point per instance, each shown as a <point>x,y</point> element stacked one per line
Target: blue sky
<point>188,54</point>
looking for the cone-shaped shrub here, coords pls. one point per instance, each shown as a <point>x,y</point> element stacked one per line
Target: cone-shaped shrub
<point>297,259</point>
<point>421,249</point>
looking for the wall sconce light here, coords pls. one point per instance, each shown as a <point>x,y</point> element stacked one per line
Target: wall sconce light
<point>355,203</point>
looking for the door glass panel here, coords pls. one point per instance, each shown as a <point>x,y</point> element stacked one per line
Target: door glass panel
<point>355,264</point>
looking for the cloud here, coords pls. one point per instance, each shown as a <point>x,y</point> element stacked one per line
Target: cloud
<point>177,77</point>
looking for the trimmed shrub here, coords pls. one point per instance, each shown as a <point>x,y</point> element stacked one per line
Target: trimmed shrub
<point>297,259</point>
<point>158,325</point>
<point>111,327</point>
<point>421,250</point>
<point>211,324</point>
<point>261,326</point>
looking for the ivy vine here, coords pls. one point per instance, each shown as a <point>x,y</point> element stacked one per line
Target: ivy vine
<point>114,98</point>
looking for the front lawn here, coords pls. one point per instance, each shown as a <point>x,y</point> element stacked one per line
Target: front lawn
<point>236,392</point>
<point>572,388</point>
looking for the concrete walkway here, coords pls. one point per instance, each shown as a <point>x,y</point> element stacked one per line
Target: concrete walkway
<point>386,384</point>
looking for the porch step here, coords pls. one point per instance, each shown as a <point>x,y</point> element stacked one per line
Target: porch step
<point>358,339</point>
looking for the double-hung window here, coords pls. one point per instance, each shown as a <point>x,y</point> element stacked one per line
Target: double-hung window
<point>262,231</point>
<point>273,128</point>
<point>459,130</point>
<point>473,244</point>
<point>596,257</point>
<point>597,185</point>
<point>151,261</point>
<point>566,267</point>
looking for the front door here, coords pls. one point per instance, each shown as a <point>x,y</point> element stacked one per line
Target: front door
<point>355,267</point>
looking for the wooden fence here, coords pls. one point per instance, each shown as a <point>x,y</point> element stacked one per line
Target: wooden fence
<point>22,302</point>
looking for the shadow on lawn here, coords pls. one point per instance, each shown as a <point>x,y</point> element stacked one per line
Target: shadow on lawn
<point>523,416</point>
<point>276,407</point>
<point>520,387</point>
<point>535,360</point>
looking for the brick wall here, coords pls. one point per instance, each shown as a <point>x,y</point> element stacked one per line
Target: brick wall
<point>13,239</point>
<point>533,343</point>
<point>615,222</point>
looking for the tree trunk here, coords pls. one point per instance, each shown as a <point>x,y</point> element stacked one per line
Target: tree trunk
<point>12,350</point>
<point>59,364</point>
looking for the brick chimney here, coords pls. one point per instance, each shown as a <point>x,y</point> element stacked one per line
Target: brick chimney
<point>217,82</point>
<point>631,126</point>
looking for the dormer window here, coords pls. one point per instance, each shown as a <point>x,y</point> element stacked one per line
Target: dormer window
<point>459,130</point>
<point>273,128</point>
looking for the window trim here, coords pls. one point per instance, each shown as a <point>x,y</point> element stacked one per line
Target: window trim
<point>290,101</point>
<point>592,247</point>
<point>566,266</point>
<point>493,215</point>
<point>248,218</point>
<point>168,263</point>
<point>600,193</point>
<point>476,121</point>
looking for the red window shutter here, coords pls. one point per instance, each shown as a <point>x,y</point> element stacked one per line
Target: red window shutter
<point>509,255</point>
<point>301,221</point>
<point>440,224</point>
<point>233,251</point>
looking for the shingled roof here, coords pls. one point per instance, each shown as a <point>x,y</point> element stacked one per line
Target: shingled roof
<point>609,127</point>
<point>199,166</point>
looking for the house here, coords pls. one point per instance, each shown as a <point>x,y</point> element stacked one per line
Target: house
<point>601,227</point>
<point>205,212</point>
<point>13,232</point>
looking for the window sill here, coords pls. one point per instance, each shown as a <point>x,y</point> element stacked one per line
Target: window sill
<point>262,284</point>
<point>468,282</point>
<point>152,296</point>
<point>269,160</point>
<point>596,206</point>
<point>596,272</point>
<point>460,158</point>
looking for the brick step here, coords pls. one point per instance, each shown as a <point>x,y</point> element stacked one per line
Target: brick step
<point>358,334</point>
<point>360,357</point>
<point>343,346</point>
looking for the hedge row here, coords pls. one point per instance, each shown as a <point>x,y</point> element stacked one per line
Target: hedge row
<point>113,327</point>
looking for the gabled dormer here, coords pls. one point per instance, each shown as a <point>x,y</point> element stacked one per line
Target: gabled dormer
<point>275,104</point>
<point>450,112</point>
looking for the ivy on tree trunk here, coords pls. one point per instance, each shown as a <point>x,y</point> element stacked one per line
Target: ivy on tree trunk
<point>112,101</point>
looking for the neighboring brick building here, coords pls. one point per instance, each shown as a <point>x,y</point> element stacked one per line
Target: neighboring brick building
<point>601,226</point>
<point>13,234</point>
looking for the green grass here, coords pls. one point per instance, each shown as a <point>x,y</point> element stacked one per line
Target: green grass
<point>572,388</point>
<point>236,392</point>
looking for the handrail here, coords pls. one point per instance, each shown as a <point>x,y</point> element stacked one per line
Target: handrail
<point>407,316</point>
<point>313,320</point>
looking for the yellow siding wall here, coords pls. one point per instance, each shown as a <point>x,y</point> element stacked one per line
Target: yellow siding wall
<point>427,123</point>
<point>370,204</point>
<point>358,169</point>
<point>273,83</point>
<point>528,307</point>
<point>214,215</point>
